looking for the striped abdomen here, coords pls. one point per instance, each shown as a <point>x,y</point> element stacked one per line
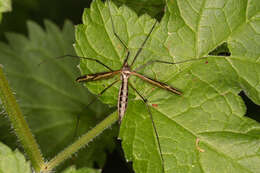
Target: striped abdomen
<point>122,97</point>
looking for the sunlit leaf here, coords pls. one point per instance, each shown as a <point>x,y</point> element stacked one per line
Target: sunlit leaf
<point>12,161</point>
<point>5,6</point>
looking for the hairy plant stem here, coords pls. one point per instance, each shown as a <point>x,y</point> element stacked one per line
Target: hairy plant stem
<point>80,143</point>
<point>19,124</point>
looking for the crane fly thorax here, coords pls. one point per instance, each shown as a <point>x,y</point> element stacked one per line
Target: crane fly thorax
<point>125,72</point>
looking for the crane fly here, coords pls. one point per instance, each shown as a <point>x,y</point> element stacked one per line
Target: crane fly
<point>125,72</point>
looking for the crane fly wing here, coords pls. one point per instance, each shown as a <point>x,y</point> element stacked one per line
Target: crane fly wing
<point>157,83</point>
<point>97,76</point>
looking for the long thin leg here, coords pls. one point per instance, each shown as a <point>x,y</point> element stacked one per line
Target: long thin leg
<point>91,59</point>
<point>91,102</point>
<point>117,36</point>
<point>80,57</point>
<point>141,48</point>
<point>113,27</point>
<point>154,127</point>
<point>166,62</point>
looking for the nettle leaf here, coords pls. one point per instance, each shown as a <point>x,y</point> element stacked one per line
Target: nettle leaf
<point>13,161</point>
<point>203,130</point>
<point>48,95</point>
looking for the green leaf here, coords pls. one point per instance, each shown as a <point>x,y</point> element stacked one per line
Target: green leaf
<point>151,7</point>
<point>72,169</point>
<point>207,122</point>
<point>5,6</point>
<point>48,95</point>
<point>12,161</point>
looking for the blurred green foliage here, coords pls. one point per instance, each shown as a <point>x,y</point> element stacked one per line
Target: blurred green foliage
<point>38,10</point>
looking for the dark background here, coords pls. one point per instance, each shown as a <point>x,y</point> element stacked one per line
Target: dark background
<point>57,11</point>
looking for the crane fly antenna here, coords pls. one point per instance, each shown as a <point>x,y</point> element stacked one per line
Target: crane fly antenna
<point>127,56</point>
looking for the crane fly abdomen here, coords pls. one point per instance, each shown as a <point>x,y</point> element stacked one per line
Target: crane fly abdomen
<point>123,95</point>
